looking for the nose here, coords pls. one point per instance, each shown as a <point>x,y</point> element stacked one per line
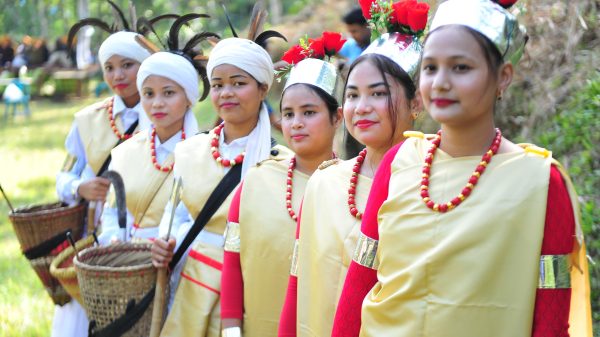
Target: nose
<point>157,102</point>
<point>440,80</point>
<point>298,122</point>
<point>226,91</point>
<point>119,73</point>
<point>363,106</point>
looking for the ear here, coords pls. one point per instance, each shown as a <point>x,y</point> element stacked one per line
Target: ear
<point>339,116</point>
<point>263,89</point>
<point>416,104</point>
<point>505,76</point>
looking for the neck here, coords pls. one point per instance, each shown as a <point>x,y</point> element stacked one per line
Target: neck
<point>372,160</point>
<point>166,133</point>
<point>309,164</point>
<point>235,131</point>
<point>469,141</point>
<point>131,101</point>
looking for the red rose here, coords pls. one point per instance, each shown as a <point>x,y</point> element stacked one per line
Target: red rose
<point>318,48</point>
<point>417,16</point>
<point>333,42</point>
<point>401,11</point>
<point>366,5</point>
<point>294,55</point>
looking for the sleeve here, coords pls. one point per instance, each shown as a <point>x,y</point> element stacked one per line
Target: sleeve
<point>68,181</point>
<point>232,282</point>
<point>552,305</point>
<point>360,279</point>
<point>287,321</point>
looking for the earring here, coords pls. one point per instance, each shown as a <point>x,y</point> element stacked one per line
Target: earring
<point>499,96</point>
<point>415,115</point>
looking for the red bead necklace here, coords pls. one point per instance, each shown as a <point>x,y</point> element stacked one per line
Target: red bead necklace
<point>214,143</point>
<point>466,191</point>
<point>353,182</point>
<point>111,120</point>
<point>153,151</point>
<point>288,189</point>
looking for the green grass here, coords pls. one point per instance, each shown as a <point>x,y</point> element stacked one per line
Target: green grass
<point>31,153</point>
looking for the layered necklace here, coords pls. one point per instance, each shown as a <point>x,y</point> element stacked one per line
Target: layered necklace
<point>466,191</point>
<point>353,182</point>
<point>214,143</point>
<point>159,167</point>
<point>111,120</point>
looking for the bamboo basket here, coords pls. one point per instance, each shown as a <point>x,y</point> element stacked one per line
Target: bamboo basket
<point>39,224</point>
<point>36,224</point>
<point>63,270</point>
<point>110,277</point>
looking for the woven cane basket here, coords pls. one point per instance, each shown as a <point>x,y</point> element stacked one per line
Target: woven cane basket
<point>109,277</point>
<point>63,270</point>
<point>36,224</point>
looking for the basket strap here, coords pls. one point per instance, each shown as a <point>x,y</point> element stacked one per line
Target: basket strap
<point>121,325</point>
<point>215,200</point>
<point>47,246</point>
<point>128,132</point>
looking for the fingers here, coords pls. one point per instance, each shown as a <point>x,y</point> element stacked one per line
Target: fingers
<point>162,252</point>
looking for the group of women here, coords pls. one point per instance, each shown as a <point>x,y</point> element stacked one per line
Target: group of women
<point>462,233</point>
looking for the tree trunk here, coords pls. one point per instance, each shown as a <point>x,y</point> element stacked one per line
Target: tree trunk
<point>275,11</point>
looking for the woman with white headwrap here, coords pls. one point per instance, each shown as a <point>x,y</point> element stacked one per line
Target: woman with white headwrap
<point>240,74</point>
<point>168,84</point>
<point>97,129</point>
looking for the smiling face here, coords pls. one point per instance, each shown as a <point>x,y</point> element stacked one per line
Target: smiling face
<point>165,103</point>
<point>120,74</point>
<point>457,85</point>
<point>236,95</point>
<point>306,122</point>
<point>367,106</point>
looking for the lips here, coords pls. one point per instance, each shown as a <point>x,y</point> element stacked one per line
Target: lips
<point>298,137</point>
<point>442,102</point>
<point>159,115</point>
<point>364,123</point>
<point>227,105</point>
<point>121,86</point>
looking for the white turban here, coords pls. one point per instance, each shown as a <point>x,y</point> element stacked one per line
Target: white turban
<point>244,54</point>
<point>122,44</point>
<point>174,67</point>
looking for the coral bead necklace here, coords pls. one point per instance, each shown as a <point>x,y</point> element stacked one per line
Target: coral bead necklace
<point>466,191</point>
<point>159,167</point>
<point>214,143</point>
<point>360,159</point>
<point>111,120</point>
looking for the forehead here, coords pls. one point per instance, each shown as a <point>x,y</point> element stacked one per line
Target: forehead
<point>156,81</point>
<point>116,59</point>
<point>298,95</point>
<point>364,73</point>
<point>225,71</point>
<point>451,41</point>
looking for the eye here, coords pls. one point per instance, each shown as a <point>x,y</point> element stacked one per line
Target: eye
<point>309,112</point>
<point>461,67</point>
<point>127,65</point>
<point>351,95</point>
<point>239,84</point>
<point>287,114</point>
<point>380,93</point>
<point>107,68</point>
<point>169,93</point>
<point>215,85</point>
<point>147,94</point>
<point>428,68</point>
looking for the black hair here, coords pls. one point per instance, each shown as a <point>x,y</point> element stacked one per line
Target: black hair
<point>354,17</point>
<point>330,102</point>
<point>385,65</point>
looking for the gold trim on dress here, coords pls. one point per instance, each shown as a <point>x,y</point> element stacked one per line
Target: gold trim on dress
<point>554,272</point>
<point>365,253</point>
<point>232,237</point>
<point>69,163</point>
<point>294,266</point>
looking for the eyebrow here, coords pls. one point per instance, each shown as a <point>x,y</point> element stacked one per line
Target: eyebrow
<point>232,76</point>
<point>307,105</point>
<point>370,86</point>
<point>453,57</point>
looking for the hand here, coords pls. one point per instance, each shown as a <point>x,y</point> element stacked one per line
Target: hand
<point>94,189</point>
<point>162,252</point>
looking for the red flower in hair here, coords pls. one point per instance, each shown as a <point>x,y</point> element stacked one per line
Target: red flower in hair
<point>417,16</point>
<point>366,5</point>
<point>333,42</point>
<point>401,12</point>
<point>316,48</point>
<point>294,55</point>
<point>505,3</point>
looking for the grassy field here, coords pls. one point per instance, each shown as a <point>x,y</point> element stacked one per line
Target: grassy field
<point>31,153</point>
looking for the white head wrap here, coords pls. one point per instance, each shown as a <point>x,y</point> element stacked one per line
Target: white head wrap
<point>253,59</point>
<point>179,70</point>
<point>123,44</point>
<point>174,67</point>
<point>244,54</point>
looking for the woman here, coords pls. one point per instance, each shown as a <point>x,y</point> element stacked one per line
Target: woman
<point>260,242</point>
<point>464,260</point>
<point>169,87</point>
<point>240,74</point>
<point>95,131</point>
